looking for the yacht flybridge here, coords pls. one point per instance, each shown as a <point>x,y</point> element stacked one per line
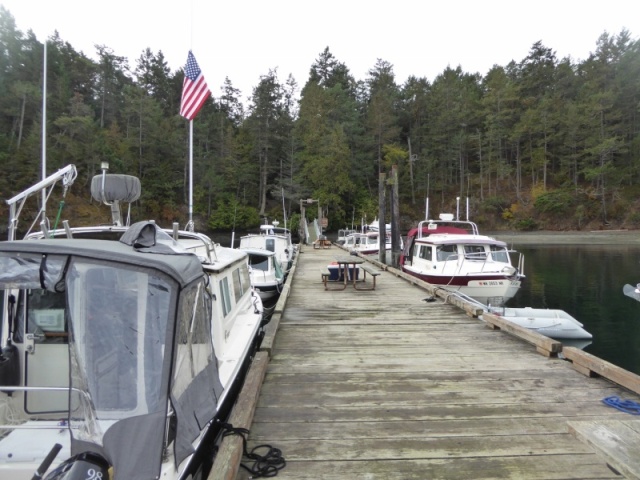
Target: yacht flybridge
<point>121,345</point>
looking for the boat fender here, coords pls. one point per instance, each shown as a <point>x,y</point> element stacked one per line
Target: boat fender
<point>81,467</point>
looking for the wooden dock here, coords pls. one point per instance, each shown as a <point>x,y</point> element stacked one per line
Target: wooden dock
<point>394,383</point>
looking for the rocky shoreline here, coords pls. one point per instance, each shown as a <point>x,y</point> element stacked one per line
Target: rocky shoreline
<point>548,237</point>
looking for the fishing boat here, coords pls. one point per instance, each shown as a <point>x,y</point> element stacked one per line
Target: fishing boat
<point>123,346</point>
<point>275,239</point>
<point>266,275</point>
<point>451,253</point>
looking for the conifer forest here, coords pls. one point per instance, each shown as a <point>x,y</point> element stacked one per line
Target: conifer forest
<point>540,143</point>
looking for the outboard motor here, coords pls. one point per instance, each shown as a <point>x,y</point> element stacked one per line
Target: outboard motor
<point>81,467</point>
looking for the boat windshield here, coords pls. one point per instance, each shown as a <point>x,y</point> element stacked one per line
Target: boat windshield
<point>499,254</point>
<point>118,320</point>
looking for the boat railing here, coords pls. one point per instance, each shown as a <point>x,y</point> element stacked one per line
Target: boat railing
<point>208,244</point>
<point>426,225</point>
<point>16,388</point>
<point>67,175</point>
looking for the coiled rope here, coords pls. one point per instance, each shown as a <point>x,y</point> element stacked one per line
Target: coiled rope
<point>627,406</point>
<point>263,466</point>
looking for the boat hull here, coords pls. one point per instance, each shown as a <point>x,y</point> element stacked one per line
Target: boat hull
<point>487,289</point>
<point>552,323</point>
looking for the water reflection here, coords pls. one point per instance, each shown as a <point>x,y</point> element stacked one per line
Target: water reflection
<point>587,281</point>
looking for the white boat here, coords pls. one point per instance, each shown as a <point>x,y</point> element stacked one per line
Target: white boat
<point>343,233</point>
<point>121,349</point>
<point>632,292</point>
<point>266,275</point>
<point>553,323</point>
<point>274,239</point>
<point>364,243</point>
<point>367,243</point>
<point>452,254</point>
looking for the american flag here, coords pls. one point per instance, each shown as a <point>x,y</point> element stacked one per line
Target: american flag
<point>194,89</point>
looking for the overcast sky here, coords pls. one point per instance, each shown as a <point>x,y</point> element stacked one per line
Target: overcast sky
<point>244,39</point>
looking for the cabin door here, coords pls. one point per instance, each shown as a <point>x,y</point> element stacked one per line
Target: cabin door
<point>46,352</point>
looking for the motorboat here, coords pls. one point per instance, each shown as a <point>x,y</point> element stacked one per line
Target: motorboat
<point>265,272</point>
<point>367,243</point>
<point>343,233</point>
<point>364,243</point>
<point>452,254</point>
<point>275,239</point>
<point>123,346</point>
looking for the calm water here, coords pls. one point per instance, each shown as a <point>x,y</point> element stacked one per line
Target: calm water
<point>586,282</point>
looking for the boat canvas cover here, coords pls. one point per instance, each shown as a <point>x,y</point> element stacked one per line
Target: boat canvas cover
<point>132,444</point>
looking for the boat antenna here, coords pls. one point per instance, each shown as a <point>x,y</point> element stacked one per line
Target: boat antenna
<point>457,208</point>
<point>284,210</point>
<point>233,231</point>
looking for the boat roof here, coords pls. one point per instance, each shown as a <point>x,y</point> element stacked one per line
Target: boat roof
<point>257,251</point>
<point>454,238</point>
<point>183,267</point>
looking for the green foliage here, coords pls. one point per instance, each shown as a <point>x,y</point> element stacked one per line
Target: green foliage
<point>556,202</point>
<point>524,141</point>
<point>230,214</point>
<point>525,224</point>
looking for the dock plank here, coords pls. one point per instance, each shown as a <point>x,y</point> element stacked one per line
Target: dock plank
<point>396,384</point>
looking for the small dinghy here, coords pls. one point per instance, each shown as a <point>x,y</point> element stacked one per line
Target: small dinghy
<point>553,323</point>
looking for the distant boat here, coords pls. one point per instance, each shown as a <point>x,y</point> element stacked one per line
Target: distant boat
<point>273,239</point>
<point>266,274</point>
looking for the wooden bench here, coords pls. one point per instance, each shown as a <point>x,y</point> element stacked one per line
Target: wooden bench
<point>325,277</point>
<point>374,273</point>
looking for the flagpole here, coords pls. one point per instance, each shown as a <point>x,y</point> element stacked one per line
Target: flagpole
<point>195,93</point>
<point>190,224</point>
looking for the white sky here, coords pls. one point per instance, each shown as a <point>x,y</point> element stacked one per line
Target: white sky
<point>243,39</point>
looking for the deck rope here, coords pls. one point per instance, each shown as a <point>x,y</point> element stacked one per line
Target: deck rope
<point>627,406</point>
<point>264,466</point>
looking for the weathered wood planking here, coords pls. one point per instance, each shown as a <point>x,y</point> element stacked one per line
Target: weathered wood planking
<point>617,441</point>
<point>387,385</point>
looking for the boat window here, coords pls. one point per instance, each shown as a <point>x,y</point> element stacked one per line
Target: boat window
<point>447,252</point>
<point>270,244</point>
<point>499,254</point>
<point>118,323</point>
<point>238,290</point>
<point>226,296</point>
<point>425,252</point>
<point>245,279</point>
<point>277,268</point>
<point>194,345</point>
<point>474,252</point>
<point>45,313</point>
<point>259,262</point>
